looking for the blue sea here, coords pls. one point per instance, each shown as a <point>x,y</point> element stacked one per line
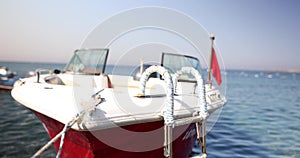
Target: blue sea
<point>260,120</point>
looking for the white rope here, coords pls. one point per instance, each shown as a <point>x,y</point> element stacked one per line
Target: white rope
<point>62,141</point>
<point>169,107</point>
<point>65,129</point>
<point>201,88</point>
<point>169,110</point>
<point>67,126</point>
<point>96,101</point>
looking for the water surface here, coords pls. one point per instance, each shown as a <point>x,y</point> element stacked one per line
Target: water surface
<point>261,118</point>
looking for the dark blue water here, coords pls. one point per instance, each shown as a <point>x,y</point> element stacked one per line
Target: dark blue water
<point>261,118</point>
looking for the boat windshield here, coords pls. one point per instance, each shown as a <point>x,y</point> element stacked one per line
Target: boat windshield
<point>174,62</point>
<point>88,62</point>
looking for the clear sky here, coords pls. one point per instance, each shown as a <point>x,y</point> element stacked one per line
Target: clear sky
<point>250,34</point>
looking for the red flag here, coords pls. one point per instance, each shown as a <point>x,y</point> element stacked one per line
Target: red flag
<point>215,68</point>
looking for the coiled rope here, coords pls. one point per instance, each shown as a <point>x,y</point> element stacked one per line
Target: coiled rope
<point>169,107</point>
<point>168,113</point>
<point>201,88</point>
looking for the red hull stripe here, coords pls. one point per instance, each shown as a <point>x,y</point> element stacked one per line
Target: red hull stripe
<point>84,144</point>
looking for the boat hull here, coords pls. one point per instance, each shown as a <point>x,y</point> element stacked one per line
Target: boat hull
<point>145,140</point>
<point>7,84</point>
<point>6,88</point>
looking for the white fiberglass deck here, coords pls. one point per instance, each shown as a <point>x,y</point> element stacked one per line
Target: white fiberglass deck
<point>119,104</point>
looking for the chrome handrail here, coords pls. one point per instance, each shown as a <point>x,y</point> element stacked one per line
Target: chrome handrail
<point>38,72</point>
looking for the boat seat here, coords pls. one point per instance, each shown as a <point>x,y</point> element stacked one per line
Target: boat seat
<point>54,79</point>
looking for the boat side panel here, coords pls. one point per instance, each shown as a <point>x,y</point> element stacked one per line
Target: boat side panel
<point>85,143</point>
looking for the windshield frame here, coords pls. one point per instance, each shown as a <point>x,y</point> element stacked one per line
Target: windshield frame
<point>74,66</point>
<point>174,70</point>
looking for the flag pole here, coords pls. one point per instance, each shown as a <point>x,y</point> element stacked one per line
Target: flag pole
<point>212,38</point>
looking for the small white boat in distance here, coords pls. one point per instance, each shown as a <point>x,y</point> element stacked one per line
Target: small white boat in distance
<point>7,78</point>
<point>156,111</point>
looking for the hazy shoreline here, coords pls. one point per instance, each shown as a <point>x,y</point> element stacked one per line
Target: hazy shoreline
<point>230,69</point>
<point>289,71</point>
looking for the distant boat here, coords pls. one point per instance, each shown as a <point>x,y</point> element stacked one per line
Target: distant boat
<point>7,78</point>
<point>270,76</point>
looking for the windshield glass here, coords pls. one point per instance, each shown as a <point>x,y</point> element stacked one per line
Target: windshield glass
<point>174,62</point>
<point>88,61</point>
